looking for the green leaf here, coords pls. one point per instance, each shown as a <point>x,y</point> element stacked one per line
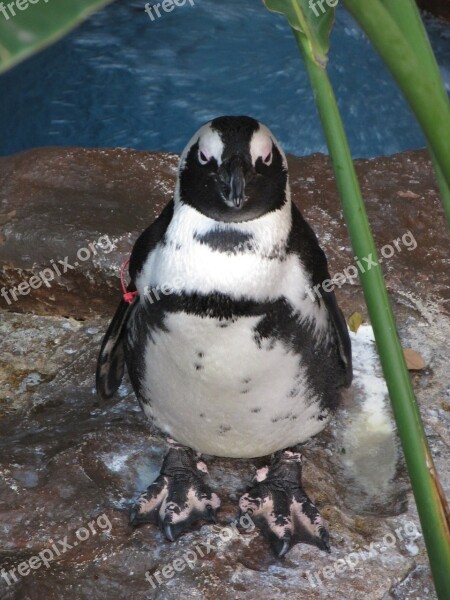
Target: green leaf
<point>397,32</point>
<point>407,17</point>
<point>355,321</point>
<point>312,19</point>
<point>39,23</point>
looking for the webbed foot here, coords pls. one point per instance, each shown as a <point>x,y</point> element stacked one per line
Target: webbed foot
<point>179,497</point>
<point>280,507</point>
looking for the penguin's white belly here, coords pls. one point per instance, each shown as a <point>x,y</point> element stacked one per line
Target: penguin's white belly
<point>212,388</point>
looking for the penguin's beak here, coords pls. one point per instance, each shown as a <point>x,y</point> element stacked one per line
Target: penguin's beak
<point>234,173</point>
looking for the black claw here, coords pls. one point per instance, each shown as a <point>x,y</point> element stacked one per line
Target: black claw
<point>325,539</point>
<point>210,514</point>
<point>284,550</point>
<point>169,533</point>
<point>132,519</point>
<point>280,547</point>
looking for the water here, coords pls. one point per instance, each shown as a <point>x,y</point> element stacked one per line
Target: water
<point>122,80</point>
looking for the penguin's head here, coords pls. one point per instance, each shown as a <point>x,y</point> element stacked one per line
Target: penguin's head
<point>233,170</point>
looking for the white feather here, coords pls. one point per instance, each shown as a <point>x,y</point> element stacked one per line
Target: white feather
<point>206,409</point>
<point>210,144</point>
<point>261,144</point>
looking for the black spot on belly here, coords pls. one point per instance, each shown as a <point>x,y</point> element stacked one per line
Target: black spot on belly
<point>225,322</point>
<point>246,380</point>
<point>198,367</point>
<point>202,415</point>
<point>255,410</point>
<point>245,391</point>
<point>165,242</point>
<point>287,417</point>
<point>200,354</point>
<point>278,252</point>
<point>223,429</point>
<point>264,343</point>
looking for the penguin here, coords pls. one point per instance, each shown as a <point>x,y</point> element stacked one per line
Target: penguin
<point>227,350</point>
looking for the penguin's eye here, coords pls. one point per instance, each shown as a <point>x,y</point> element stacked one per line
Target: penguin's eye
<point>202,158</point>
<point>268,159</point>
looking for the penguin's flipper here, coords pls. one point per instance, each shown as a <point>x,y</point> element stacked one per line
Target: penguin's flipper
<point>304,243</point>
<point>280,507</point>
<point>111,359</point>
<point>341,335</point>
<point>179,497</point>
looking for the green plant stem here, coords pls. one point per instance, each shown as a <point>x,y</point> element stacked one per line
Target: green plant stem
<point>407,16</point>
<point>396,30</point>
<point>444,187</point>
<point>418,459</point>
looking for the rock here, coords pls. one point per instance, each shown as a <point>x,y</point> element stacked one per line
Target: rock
<point>440,8</point>
<point>70,465</point>
<point>58,202</point>
<point>70,205</point>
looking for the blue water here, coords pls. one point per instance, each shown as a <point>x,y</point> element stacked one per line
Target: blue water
<point>122,80</point>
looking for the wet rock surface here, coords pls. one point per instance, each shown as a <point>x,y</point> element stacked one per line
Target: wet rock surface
<point>70,464</point>
<point>62,206</point>
<point>440,8</point>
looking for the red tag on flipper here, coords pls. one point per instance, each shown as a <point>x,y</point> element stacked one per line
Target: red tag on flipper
<point>127,296</point>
